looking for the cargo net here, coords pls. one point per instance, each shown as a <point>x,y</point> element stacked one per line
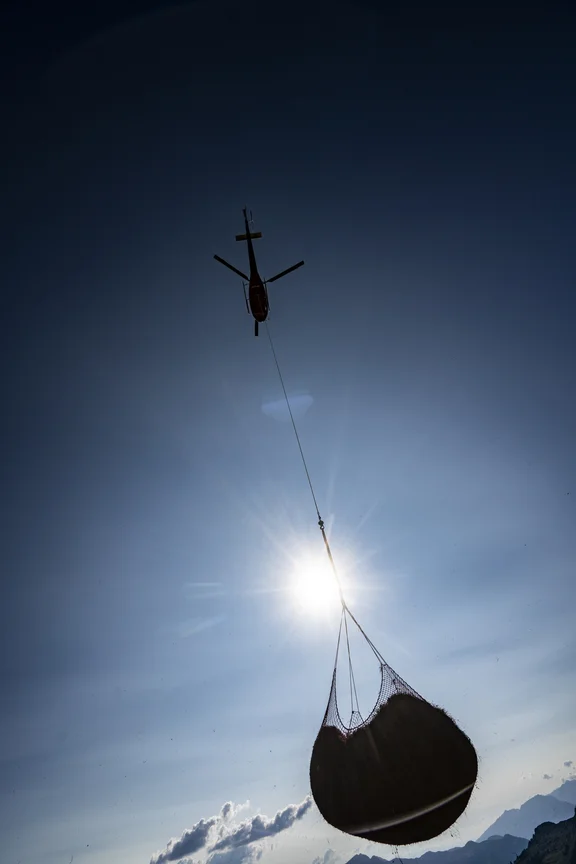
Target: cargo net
<point>403,775</point>
<point>391,684</point>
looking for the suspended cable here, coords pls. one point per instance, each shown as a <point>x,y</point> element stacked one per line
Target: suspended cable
<point>320,520</point>
<point>293,423</point>
<point>345,609</point>
<point>355,705</point>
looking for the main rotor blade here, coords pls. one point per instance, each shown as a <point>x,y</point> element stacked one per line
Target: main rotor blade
<point>284,272</point>
<point>230,267</point>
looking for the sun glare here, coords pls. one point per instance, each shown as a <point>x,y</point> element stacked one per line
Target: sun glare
<point>314,586</point>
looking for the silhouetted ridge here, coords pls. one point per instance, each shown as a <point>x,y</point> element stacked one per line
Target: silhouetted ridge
<point>498,850</point>
<point>551,844</point>
<point>522,822</point>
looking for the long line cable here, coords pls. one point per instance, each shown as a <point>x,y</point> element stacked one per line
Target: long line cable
<point>345,610</point>
<point>293,422</point>
<point>320,520</point>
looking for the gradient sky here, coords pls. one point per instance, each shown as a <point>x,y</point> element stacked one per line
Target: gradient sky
<point>155,662</point>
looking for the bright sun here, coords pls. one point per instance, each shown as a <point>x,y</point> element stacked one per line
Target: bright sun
<point>314,585</point>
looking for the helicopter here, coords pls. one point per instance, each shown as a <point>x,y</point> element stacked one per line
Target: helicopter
<point>257,303</point>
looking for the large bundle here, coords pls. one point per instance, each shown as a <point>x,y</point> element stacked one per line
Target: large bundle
<point>403,776</point>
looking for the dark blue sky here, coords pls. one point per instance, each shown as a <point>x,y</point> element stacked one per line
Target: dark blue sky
<point>154,660</point>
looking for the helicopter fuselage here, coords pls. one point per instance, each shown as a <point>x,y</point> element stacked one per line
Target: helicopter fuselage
<point>257,293</point>
<point>257,298</point>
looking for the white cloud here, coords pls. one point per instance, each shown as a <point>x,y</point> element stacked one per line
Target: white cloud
<point>260,827</point>
<point>231,844</point>
<point>192,840</point>
<point>240,855</point>
<point>230,810</point>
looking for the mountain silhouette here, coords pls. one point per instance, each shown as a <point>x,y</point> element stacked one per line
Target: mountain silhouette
<point>551,844</point>
<point>566,792</point>
<point>523,821</point>
<point>507,839</point>
<point>496,850</point>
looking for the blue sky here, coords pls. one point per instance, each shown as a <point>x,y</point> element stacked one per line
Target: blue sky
<point>155,660</point>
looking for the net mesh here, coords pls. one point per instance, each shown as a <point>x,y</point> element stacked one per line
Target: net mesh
<point>390,684</point>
